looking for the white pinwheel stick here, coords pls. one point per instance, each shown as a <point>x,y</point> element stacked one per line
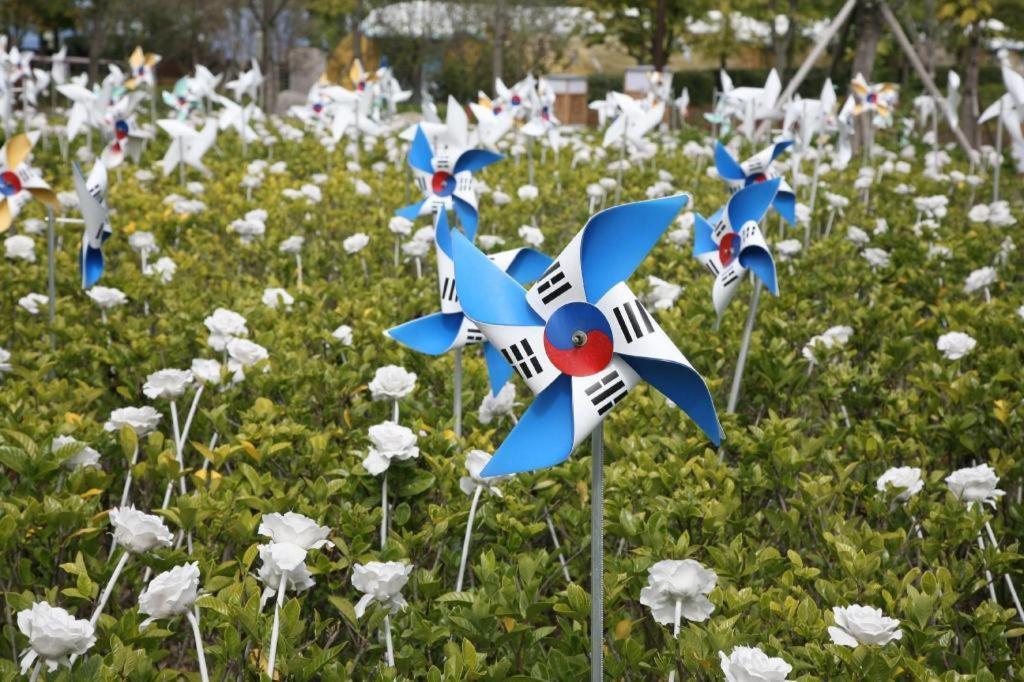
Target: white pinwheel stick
<point>597,554</point>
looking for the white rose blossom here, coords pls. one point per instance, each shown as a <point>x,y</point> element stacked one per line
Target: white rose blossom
<point>392,382</point>
<point>142,420</point>
<point>243,354</point>
<point>833,337</point>
<point>750,664</point>
<point>20,247</point>
<point>287,560</point>
<point>224,325</point>
<point>476,460</point>
<point>381,582</point>
<point>275,297</point>
<point>137,531</point>
<point>164,268</point>
<point>788,249</point>
<point>107,297</point>
<point>54,635</point>
<point>907,480</point>
<point>5,361</point>
<point>296,529</point>
<point>355,243</point>
<point>84,456</point>
<point>685,581</point>
<point>32,303</point>
<point>662,294</point>
<point>206,371</point>
<point>497,405</point>
<point>143,242</point>
<point>955,345</point>
<point>400,225</point>
<point>292,245</point>
<point>167,383</point>
<point>527,192</point>
<point>980,279</point>
<point>531,235</point>
<point>343,334</point>
<point>975,485</point>
<point>389,442</point>
<point>170,594</point>
<point>857,624</point>
<point>877,258</point>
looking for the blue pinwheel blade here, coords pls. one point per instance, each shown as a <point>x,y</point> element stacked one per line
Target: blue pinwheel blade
<point>433,334</point>
<point>473,160</point>
<point>617,239</point>
<point>780,147</point>
<point>785,204</point>
<point>92,266</point>
<point>486,293</point>
<point>542,438</point>
<point>467,216</point>
<point>683,386</point>
<point>421,156</point>
<point>702,240</point>
<point>412,211</point>
<point>751,202</point>
<point>498,370</point>
<point>528,265</point>
<point>443,233</point>
<point>761,263</point>
<point>728,167</point>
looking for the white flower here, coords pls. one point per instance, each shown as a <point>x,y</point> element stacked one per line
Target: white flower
<point>33,226</point>
<point>857,235</point>
<point>143,175</point>
<point>975,484</point>
<point>296,529</point>
<point>389,441</point>
<point>500,198</point>
<point>343,334</point>
<point>978,213</point>
<point>803,213</point>
<point>143,242</point>
<point>170,593</point>
<point>527,192</point>
<point>392,382</point>
<point>195,187</point>
<point>836,201</point>
<point>750,664</point>
<point>283,559</point>
<point>414,248</point>
<point>489,241</point>
<point>167,383</point>
<point>206,371</point>
<point>355,243</point>
<point>497,405</point>
<point>685,581</point>
<point>858,624</point>
<point>107,297</point>
<point>382,582</point>
<point>224,325</point>
<point>362,189</point>
<point>292,245</point>
<point>137,531</point>
<point>247,230</point>
<point>20,247</point>
<point>476,460</point>
<point>142,420</point>
<point>905,479</point>
<point>278,168</point>
<point>5,364</point>
<point>531,235</point>
<point>939,251</point>
<point>979,279</point>
<point>164,268</point>
<point>400,225</point>
<point>595,191</point>
<point>832,338</point>
<point>53,636</point>
<point>273,297</point>
<point>955,345</point>
<point>663,294</point>
<point>84,456</point>
<point>877,258</point>
<point>32,302</point>
<point>243,354</point>
<point>788,248</point>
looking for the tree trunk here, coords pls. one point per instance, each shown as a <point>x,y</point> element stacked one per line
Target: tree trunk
<point>869,34</point>
<point>840,47</point>
<point>269,67</point>
<point>658,53</point>
<point>357,32</point>
<point>498,49</point>
<point>969,107</point>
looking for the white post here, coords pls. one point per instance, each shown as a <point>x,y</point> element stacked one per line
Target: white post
<point>748,330</point>
<point>272,657</point>
<point>468,537</point>
<point>457,397</point>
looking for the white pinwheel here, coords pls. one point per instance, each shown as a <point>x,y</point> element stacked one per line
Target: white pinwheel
<point>247,83</point>
<point>92,200</point>
<point>634,120</point>
<point>810,116</point>
<point>188,145</point>
<point>749,104</point>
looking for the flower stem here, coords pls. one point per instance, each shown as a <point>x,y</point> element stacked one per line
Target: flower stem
<point>554,539</point>
<point>988,575</point>
<point>277,626</point>
<point>387,642</point>
<point>1006,576</point>
<point>177,444</point>
<point>35,671</point>
<point>675,632</point>
<point>199,646</point>
<point>384,509</point>
<point>469,535</point>
<point>109,588</point>
<point>128,479</point>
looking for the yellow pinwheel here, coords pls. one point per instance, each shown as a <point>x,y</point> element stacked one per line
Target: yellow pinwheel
<point>877,97</point>
<point>143,68</point>
<point>19,182</point>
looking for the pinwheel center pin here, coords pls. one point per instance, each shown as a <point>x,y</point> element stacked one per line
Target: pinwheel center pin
<point>728,247</point>
<point>516,101</point>
<point>872,97</point>
<point>121,130</point>
<point>443,183</point>
<point>318,107</point>
<point>578,339</point>
<point>10,184</point>
<point>756,178</point>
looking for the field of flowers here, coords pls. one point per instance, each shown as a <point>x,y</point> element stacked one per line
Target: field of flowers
<point>895,341</point>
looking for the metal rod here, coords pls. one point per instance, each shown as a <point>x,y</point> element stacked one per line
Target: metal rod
<point>748,330</point>
<point>597,555</point>
<point>457,397</point>
<point>51,272</point>
<point>999,152</point>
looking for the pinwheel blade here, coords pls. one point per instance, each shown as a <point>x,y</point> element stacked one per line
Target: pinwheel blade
<point>703,241</point>
<point>421,156</point>
<point>498,371</point>
<point>467,215</point>
<point>785,204</point>
<point>759,260</point>
<point>683,386</point>
<point>751,202</point>
<point>487,294</point>
<point>434,334</point>
<point>475,159</point>
<point>91,264</point>
<point>616,240</point>
<point>528,265</point>
<point>542,438</point>
<point>412,211</point>
<point>728,167</point>
<point>780,147</point>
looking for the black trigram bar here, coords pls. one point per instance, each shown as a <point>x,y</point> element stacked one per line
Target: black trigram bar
<point>553,284</point>
<point>473,335</point>
<point>712,267</point>
<point>448,289</point>
<point>634,322</point>
<point>606,391</point>
<point>730,277</point>
<point>521,356</point>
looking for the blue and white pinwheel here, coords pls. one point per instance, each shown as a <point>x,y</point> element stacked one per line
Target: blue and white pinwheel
<point>579,337</point>
<point>444,172</point>
<point>731,242</point>
<point>92,200</point>
<point>450,329</point>
<point>758,168</point>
